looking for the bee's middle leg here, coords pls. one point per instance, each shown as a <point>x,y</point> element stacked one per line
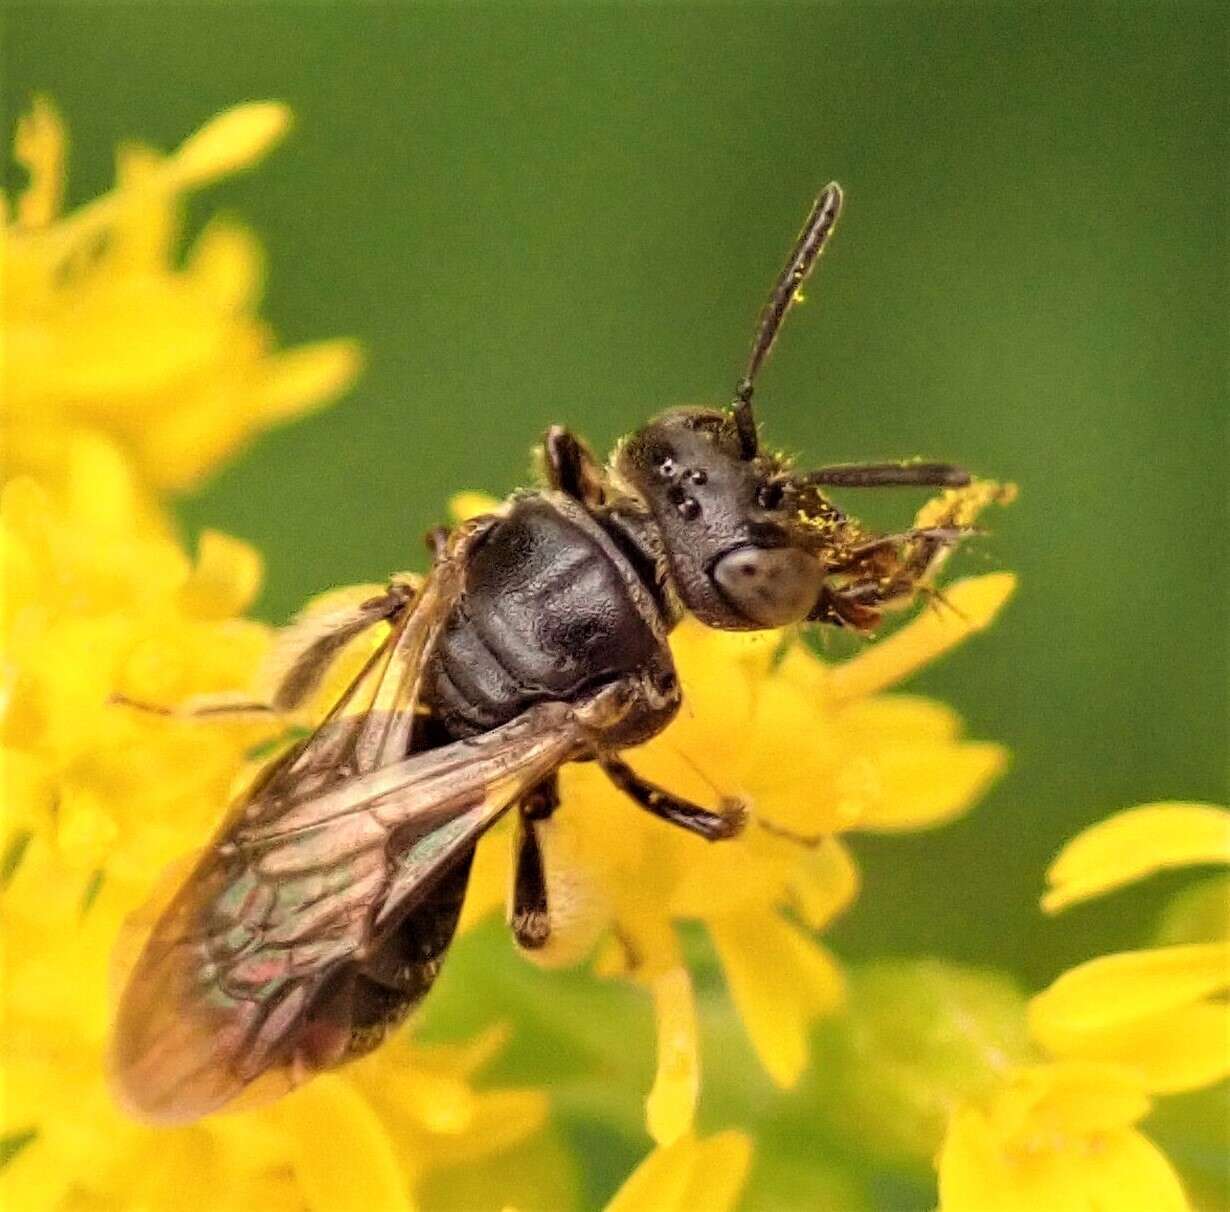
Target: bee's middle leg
<point>529,913</point>
<point>713,826</point>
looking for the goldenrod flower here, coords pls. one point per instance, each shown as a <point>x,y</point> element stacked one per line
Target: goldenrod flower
<point>1056,1136</point>
<point>1163,1012</point>
<point>98,798</point>
<point>106,332</point>
<point>817,751</point>
<point>1062,1134</point>
<point>128,374</point>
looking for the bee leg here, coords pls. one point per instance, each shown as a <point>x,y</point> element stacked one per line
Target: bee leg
<point>298,661</point>
<point>713,826</point>
<point>885,581</point>
<point>900,474</point>
<point>202,706</point>
<point>529,914</point>
<point>303,652</point>
<point>885,543</point>
<point>436,540</point>
<point>570,467</point>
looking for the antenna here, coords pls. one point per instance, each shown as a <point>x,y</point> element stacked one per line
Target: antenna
<point>807,248</point>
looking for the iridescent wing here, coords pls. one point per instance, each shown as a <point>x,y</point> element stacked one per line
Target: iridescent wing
<point>229,985</point>
<point>324,858</point>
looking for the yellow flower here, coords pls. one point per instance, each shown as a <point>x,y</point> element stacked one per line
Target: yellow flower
<point>99,600</point>
<point>816,751</point>
<point>105,331</point>
<point>98,798</point>
<point>1061,1134</point>
<point>1162,1013</point>
<point>1058,1137</point>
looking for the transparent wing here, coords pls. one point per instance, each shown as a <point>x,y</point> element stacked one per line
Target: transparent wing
<point>254,931</point>
<point>225,991</point>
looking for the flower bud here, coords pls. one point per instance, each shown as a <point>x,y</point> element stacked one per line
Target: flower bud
<point>920,1037</point>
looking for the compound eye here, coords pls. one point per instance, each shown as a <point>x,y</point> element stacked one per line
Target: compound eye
<point>770,586</point>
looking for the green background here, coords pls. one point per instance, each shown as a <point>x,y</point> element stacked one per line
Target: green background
<point>572,213</point>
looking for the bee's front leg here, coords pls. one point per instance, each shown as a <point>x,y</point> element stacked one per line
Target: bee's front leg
<point>569,466</point>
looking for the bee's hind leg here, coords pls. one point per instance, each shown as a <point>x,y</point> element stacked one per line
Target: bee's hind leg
<point>529,913</point>
<point>201,707</point>
<point>297,662</point>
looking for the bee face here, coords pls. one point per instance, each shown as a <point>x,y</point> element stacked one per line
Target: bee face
<point>723,531</point>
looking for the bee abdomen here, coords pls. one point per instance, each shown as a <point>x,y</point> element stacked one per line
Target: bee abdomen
<point>371,999</point>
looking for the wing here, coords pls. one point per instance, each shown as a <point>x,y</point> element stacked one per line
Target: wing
<point>224,992</point>
<point>247,901</point>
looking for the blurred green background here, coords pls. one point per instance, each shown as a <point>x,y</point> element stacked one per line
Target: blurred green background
<point>572,213</point>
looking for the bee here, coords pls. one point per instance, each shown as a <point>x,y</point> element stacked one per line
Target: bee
<point>320,914</point>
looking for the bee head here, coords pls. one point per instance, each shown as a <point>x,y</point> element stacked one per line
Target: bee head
<point>728,521</point>
<point>744,541</point>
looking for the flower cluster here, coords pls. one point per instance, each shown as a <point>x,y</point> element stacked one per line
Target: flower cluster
<point>1036,1104</point>
<point>106,332</point>
<point>126,375</point>
<point>132,370</point>
<point>1116,1030</point>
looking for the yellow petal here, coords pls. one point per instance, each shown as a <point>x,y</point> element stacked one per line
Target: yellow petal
<point>719,1172</point>
<point>102,490</point>
<point>225,579</point>
<point>649,941</point>
<point>1114,1171</point>
<point>502,1119</point>
<point>744,874</point>
<point>893,718</point>
<point>976,1176</point>
<point>1198,914</point>
<point>467,1057</point>
<point>972,605</point>
<point>1183,1048</point>
<point>86,830</point>
<point>688,1176</point>
<point>1127,1172</point>
<point>31,793</point>
<point>307,377</point>
<point>659,1182</point>
<point>487,889</point>
<point>234,139</point>
<point>342,1155</point>
<point>443,1103</point>
<point>1133,844</point>
<point>39,148</point>
<point>462,506</point>
<point>779,982</point>
<point>1117,989</point>
<point>920,786</point>
<point>1075,1098</point>
<point>671,1104</point>
<point>825,881</point>
<point>228,266</point>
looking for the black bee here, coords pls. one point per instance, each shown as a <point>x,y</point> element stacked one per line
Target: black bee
<point>321,912</point>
